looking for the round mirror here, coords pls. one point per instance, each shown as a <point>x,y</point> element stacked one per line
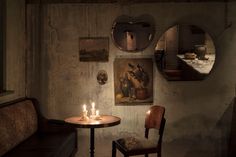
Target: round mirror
<point>133,33</point>
<point>185,52</point>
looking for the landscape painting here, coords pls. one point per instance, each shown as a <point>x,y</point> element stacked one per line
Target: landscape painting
<point>94,49</point>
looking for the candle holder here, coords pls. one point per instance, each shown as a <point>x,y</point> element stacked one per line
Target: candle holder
<point>84,118</point>
<point>97,117</point>
<point>94,113</point>
<point>85,113</point>
<point>92,117</point>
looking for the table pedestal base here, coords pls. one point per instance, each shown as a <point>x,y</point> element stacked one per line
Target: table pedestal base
<point>104,121</point>
<point>91,142</point>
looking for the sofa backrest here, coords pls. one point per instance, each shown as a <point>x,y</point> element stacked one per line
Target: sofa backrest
<point>18,121</point>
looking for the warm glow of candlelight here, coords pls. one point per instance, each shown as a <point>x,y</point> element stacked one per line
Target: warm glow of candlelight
<point>97,112</point>
<point>93,105</point>
<point>84,107</point>
<point>148,112</point>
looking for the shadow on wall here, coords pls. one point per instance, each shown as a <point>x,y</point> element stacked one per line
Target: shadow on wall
<point>199,135</point>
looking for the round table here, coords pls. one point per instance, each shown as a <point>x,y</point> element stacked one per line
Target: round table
<point>103,121</point>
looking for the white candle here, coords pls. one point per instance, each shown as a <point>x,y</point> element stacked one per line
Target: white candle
<point>84,107</point>
<point>93,109</point>
<point>97,112</point>
<point>93,105</point>
<point>85,112</point>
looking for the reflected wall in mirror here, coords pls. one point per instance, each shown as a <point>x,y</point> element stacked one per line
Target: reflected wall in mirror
<point>185,52</point>
<point>133,33</point>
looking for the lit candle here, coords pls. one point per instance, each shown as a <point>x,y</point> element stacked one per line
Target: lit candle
<point>84,107</point>
<point>97,113</point>
<point>85,112</point>
<point>148,112</point>
<point>93,109</point>
<point>93,105</point>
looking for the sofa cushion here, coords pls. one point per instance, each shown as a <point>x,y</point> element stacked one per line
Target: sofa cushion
<point>17,123</point>
<point>45,145</point>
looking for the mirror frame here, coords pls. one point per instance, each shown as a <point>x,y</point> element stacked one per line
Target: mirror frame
<point>176,73</point>
<point>129,20</point>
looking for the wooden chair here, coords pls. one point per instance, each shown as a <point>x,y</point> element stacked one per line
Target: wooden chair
<point>131,146</point>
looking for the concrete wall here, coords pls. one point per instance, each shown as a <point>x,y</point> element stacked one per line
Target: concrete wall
<point>15,50</point>
<point>198,113</point>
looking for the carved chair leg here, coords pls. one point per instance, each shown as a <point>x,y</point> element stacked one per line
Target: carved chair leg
<point>113,149</point>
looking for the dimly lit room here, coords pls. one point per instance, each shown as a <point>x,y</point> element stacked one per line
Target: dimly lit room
<point>117,78</point>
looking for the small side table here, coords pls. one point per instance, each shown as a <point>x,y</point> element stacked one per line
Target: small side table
<point>104,121</point>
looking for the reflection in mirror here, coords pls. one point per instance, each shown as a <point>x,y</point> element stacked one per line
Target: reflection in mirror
<point>185,52</point>
<point>133,34</point>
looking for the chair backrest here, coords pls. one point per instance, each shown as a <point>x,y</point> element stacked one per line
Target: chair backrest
<point>154,117</point>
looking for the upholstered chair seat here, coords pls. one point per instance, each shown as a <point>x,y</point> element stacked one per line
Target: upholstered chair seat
<point>135,143</point>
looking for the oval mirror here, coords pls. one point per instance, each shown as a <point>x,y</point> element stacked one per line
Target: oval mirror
<point>133,33</point>
<point>185,52</point>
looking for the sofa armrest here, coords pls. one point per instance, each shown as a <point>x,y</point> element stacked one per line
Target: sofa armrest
<point>54,125</point>
<point>50,125</point>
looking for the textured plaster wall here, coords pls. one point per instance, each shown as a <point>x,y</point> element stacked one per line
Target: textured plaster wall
<point>198,113</point>
<point>15,49</point>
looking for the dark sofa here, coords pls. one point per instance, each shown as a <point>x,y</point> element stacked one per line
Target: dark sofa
<point>24,132</point>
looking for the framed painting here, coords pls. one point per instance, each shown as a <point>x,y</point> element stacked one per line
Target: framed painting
<point>94,49</point>
<point>133,81</point>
